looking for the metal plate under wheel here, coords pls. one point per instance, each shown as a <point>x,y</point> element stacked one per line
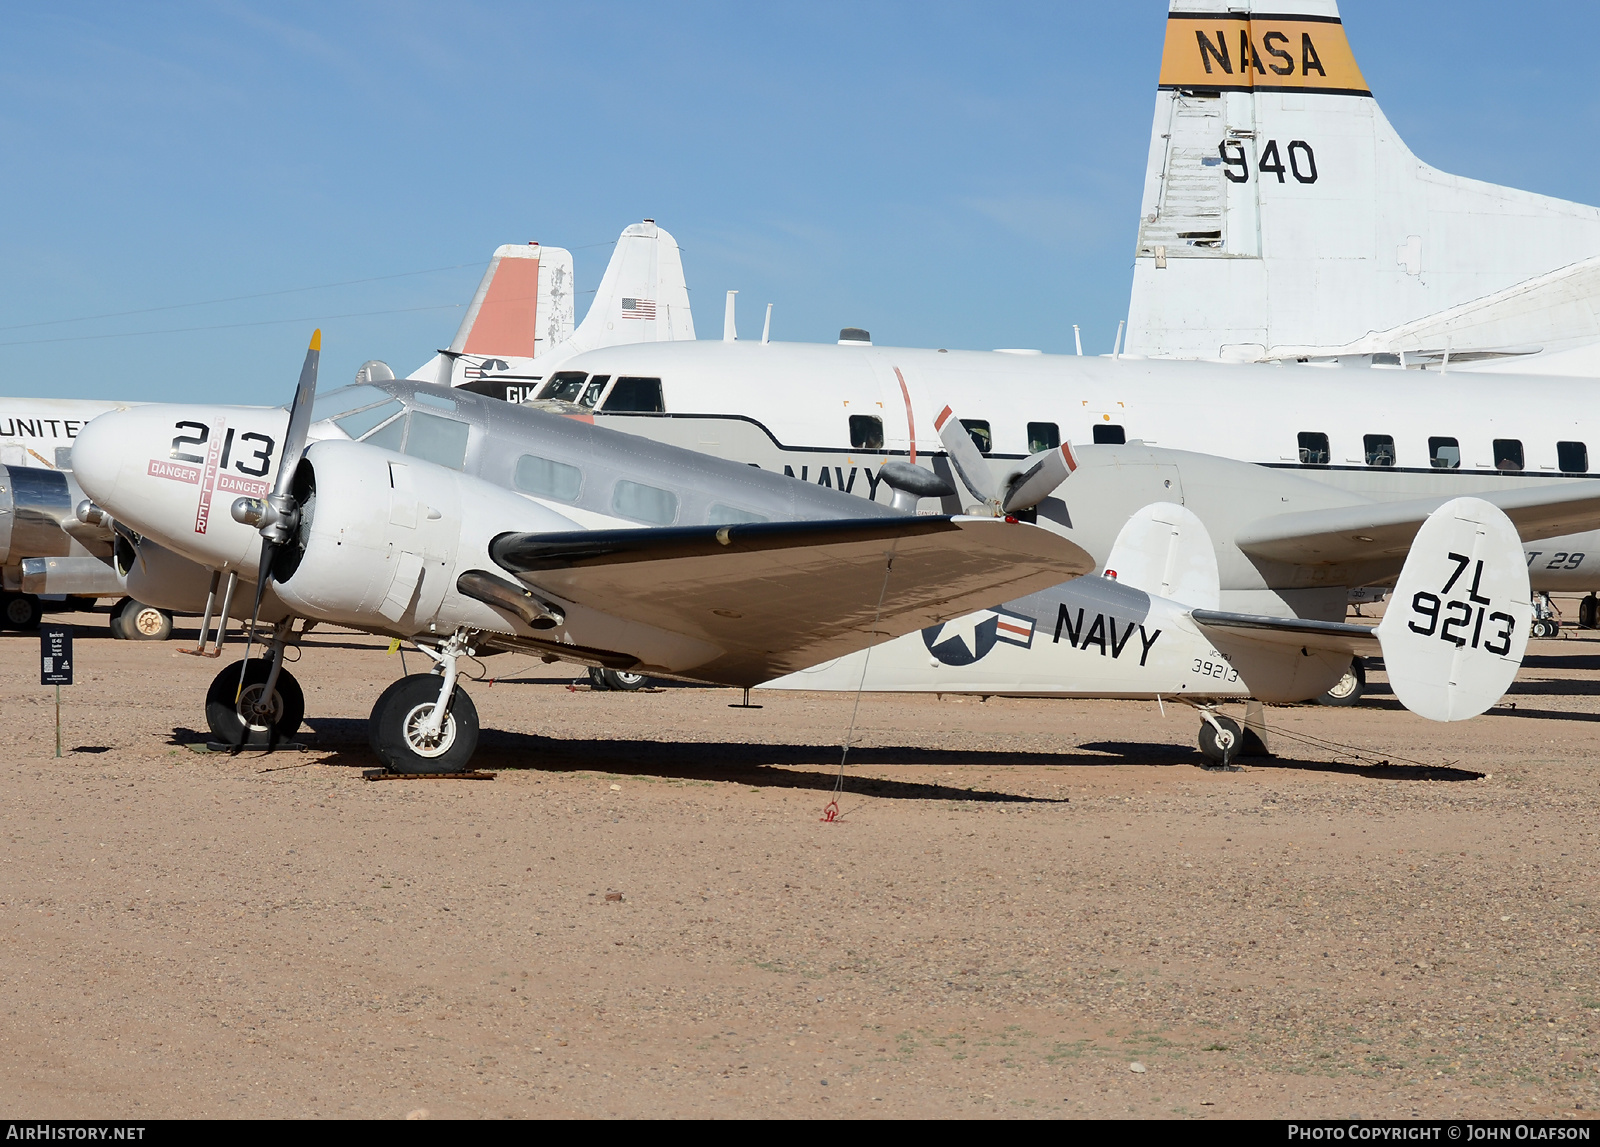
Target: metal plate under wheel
<point>386,775</point>
<point>280,747</point>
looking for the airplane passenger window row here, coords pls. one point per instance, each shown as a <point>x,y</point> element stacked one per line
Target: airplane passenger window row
<point>629,396</point>
<point>1443,453</point>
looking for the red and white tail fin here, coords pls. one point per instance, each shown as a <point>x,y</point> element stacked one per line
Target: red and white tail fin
<point>1283,216</point>
<point>521,310</point>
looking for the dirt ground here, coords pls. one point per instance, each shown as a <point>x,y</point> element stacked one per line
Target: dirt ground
<point>1029,908</point>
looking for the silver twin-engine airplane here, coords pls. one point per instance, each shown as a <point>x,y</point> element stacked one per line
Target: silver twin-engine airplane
<point>463,523</point>
<point>469,525</point>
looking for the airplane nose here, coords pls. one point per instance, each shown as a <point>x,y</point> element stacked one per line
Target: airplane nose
<point>98,454</point>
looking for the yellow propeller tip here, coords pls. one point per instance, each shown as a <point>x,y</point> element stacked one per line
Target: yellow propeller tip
<point>316,339</point>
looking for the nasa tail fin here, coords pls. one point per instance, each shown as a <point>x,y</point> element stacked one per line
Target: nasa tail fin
<point>1457,623</point>
<point>521,310</point>
<point>1283,215</point>
<point>1165,550</point>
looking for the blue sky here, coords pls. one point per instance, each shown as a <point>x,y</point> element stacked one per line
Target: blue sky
<point>942,174</point>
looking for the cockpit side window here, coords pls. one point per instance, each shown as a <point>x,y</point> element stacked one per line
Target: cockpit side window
<point>635,396</point>
<point>439,440</point>
<point>564,385</point>
<point>591,395</point>
<point>344,400</point>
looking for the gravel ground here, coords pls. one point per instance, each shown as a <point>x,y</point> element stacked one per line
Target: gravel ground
<point>1027,907</point>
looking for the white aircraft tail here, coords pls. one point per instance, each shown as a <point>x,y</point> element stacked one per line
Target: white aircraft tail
<point>1457,623</point>
<point>1166,551</point>
<point>643,297</point>
<point>1283,216</point>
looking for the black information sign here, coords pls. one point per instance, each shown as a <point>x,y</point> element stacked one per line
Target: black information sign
<point>55,655</point>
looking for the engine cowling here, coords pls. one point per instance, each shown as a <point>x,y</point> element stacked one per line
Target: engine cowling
<point>384,537</point>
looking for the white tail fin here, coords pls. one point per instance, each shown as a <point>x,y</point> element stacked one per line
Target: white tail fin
<point>521,311</point>
<point>1281,211</point>
<point>643,297</point>
<point>1166,551</point>
<point>1456,627</point>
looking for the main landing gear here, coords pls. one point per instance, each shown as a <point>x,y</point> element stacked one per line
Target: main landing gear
<point>423,723</point>
<point>1223,740</point>
<point>261,706</point>
<point>1349,688</point>
<point>617,679</point>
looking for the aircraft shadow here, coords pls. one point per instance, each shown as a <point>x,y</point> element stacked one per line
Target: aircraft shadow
<point>1154,754</point>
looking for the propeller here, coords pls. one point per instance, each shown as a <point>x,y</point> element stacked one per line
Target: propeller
<point>278,518</point>
<point>1041,473</point>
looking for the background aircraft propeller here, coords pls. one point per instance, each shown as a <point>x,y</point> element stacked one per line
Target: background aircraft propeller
<point>1040,474</point>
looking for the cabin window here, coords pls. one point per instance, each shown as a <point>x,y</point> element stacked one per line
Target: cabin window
<point>866,432</point>
<point>1508,453</point>
<point>720,515</point>
<point>1314,449</point>
<point>1043,436</point>
<point>439,440</point>
<point>1380,449</point>
<point>1112,435</point>
<point>1444,453</point>
<point>1572,457</point>
<point>978,431</point>
<point>592,394</point>
<point>391,437</point>
<point>359,423</point>
<point>635,396</point>
<point>547,479</point>
<point>564,385</point>
<point>644,503</point>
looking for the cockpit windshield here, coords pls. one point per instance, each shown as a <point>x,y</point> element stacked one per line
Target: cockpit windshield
<point>564,385</point>
<point>344,400</point>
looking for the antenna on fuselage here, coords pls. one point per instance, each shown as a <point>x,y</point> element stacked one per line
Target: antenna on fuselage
<point>1077,339</point>
<point>1116,349</point>
<point>730,333</point>
<point>766,327</point>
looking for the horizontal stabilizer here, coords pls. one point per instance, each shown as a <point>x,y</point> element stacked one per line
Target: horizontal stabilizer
<point>778,597</point>
<point>1357,640</point>
<point>1370,531</point>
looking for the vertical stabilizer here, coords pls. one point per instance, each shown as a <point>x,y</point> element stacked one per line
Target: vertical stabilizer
<point>1281,209</point>
<point>521,311</point>
<point>643,297</point>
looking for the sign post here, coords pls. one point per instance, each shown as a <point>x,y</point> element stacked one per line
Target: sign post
<point>55,665</point>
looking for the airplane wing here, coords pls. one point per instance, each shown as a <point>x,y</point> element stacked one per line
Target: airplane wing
<point>1292,632</point>
<point>775,597</point>
<point>1377,530</point>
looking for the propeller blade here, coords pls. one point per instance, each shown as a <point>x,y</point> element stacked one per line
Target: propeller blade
<point>1040,475</point>
<point>294,440</point>
<point>965,457</point>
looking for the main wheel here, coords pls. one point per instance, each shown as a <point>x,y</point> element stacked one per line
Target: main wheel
<point>20,611</point>
<point>1589,613</point>
<point>1349,688</point>
<point>140,622</point>
<point>1220,748</point>
<point>396,729</point>
<point>622,681</point>
<point>246,717</point>
<point>597,679</point>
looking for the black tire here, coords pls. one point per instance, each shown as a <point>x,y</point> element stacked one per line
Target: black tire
<point>228,726</point>
<point>622,681</point>
<point>407,703</point>
<point>20,611</point>
<point>140,622</point>
<point>597,679</point>
<point>114,620</point>
<point>1349,688</point>
<point>1589,612</point>
<point>1221,750</point>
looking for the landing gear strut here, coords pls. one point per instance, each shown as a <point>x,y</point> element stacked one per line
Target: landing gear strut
<point>267,709</point>
<point>1545,622</point>
<point>423,723</point>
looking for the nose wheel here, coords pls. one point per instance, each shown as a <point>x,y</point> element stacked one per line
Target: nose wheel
<point>252,717</point>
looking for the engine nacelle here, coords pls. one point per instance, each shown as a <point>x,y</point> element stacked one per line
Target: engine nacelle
<point>39,517</point>
<point>156,576</point>
<point>383,538</point>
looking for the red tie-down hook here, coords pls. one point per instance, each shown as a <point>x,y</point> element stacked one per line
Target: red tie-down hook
<point>831,812</point>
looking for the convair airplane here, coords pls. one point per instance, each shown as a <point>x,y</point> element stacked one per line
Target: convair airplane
<point>1283,217</point>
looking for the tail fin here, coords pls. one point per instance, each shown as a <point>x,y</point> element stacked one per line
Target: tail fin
<point>1166,551</point>
<point>521,311</point>
<point>643,297</point>
<point>1456,626</point>
<point>1281,209</point>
